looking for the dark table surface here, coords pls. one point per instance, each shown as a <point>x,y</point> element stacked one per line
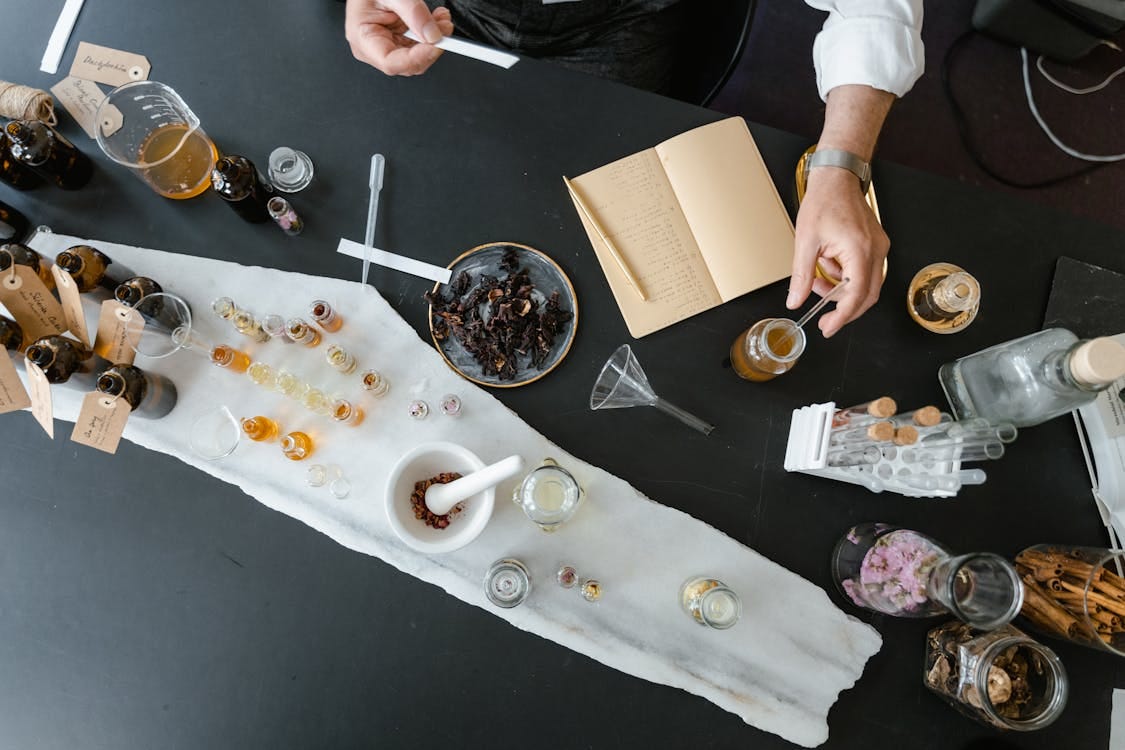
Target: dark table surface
<point>146,605</point>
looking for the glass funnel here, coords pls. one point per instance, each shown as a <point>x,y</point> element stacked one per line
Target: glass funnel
<point>622,384</point>
<point>164,325</point>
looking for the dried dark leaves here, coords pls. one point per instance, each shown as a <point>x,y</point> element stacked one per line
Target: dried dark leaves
<point>418,501</point>
<point>498,321</point>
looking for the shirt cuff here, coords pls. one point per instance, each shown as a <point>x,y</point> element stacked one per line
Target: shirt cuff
<point>877,52</point>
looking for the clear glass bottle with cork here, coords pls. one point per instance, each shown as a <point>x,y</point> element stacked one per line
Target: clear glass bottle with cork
<point>45,151</point>
<point>943,298</point>
<point>1032,379</point>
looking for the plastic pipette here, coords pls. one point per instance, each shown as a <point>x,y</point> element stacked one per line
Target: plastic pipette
<point>375,182</point>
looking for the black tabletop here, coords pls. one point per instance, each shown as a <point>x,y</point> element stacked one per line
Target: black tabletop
<point>144,604</point>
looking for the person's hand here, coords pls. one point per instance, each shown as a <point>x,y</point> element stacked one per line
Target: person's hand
<point>376,30</point>
<point>836,226</point>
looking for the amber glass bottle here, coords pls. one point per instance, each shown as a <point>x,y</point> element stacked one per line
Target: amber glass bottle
<point>13,224</point>
<point>23,255</point>
<point>91,268</point>
<point>65,360</point>
<point>13,172</point>
<point>150,395</point>
<point>133,290</point>
<point>11,335</point>
<point>45,151</point>
<point>238,182</point>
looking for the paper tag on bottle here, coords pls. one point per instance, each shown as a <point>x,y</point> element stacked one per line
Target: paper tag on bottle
<point>100,422</point>
<point>41,406</point>
<point>31,303</point>
<point>119,329</point>
<point>71,304</point>
<point>112,67</point>
<point>13,396</point>
<point>81,98</point>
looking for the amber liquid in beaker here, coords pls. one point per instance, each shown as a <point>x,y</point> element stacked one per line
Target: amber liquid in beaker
<point>756,363</point>
<point>185,175</point>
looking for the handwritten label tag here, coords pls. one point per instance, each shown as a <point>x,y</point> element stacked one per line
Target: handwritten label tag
<point>81,99</point>
<point>100,422</point>
<point>119,329</point>
<point>41,406</point>
<point>12,394</point>
<point>71,304</point>
<point>109,66</point>
<point>31,303</point>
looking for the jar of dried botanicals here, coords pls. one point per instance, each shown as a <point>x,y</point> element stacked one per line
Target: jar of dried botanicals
<point>1002,678</point>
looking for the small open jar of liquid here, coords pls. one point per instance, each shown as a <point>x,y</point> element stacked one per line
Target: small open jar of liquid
<point>767,349</point>
<point>549,495</point>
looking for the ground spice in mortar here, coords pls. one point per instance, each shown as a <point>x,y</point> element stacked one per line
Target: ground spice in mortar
<point>418,501</point>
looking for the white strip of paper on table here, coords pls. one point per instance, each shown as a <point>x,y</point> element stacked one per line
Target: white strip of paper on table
<point>56,45</point>
<point>472,49</point>
<point>397,262</point>
<point>780,668</point>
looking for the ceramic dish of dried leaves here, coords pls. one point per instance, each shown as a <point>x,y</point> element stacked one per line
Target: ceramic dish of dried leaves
<point>507,317</point>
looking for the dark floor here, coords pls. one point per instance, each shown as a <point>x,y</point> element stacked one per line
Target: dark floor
<point>774,84</point>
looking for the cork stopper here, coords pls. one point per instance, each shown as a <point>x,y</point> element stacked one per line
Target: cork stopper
<point>1098,362</point>
<point>881,431</point>
<point>882,407</point>
<point>927,416</point>
<point>906,436</point>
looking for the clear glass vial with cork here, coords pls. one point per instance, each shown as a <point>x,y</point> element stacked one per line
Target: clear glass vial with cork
<point>1032,379</point>
<point>943,298</point>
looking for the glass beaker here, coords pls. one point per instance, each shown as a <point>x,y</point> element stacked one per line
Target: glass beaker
<point>549,495</point>
<point>767,349</point>
<point>158,137</point>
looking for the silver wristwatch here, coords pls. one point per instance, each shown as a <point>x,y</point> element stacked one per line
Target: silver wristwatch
<point>834,157</point>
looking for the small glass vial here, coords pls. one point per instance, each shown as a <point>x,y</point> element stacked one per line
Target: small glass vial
<point>297,446</point>
<point>346,413</point>
<point>263,375</point>
<point>290,170</point>
<point>317,475</point>
<point>591,590</point>
<point>767,349</point>
<point>1032,379</point>
<point>450,405</point>
<point>232,359</point>
<point>149,395</point>
<point>374,384</point>
<point>291,386</point>
<point>340,359</point>
<point>274,326</point>
<point>566,576</point>
<point>340,488</point>
<point>1001,678</point>
<point>943,298</point>
<point>315,401</point>
<point>260,429</point>
<point>224,307</point>
<point>245,323</point>
<point>507,583</point>
<point>302,333</point>
<point>549,495</point>
<point>325,316</point>
<point>710,602</point>
<point>284,216</point>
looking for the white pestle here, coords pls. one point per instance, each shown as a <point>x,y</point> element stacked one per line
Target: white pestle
<point>440,498</point>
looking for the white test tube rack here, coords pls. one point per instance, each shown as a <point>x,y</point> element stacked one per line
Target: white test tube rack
<point>807,452</point>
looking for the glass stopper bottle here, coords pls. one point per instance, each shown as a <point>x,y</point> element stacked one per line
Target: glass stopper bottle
<point>64,360</point>
<point>943,298</point>
<point>260,429</point>
<point>907,574</point>
<point>238,182</point>
<point>12,171</point>
<point>91,268</point>
<point>11,335</point>
<point>767,349</point>
<point>230,358</point>
<point>22,255</point>
<point>150,394</point>
<point>133,290</point>
<point>297,446</point>
<point>13,224</point>
<point>1032,379</point>
<point>45,151</point>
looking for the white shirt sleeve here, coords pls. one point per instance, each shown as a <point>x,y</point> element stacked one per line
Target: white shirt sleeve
<point>877,43</point>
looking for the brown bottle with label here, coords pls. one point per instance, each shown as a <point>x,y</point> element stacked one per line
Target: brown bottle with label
<point>238,182</point>
<point>12,171</point>
<point>23,255</point>
<point>11,335</point>
<point>44,150</point>
<point>150,395</point>
<point>64,360</point>
<point>91,268</point>
<point>13,224</point>
<point>133,290</point>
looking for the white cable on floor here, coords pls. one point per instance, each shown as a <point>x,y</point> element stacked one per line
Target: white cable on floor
<point>1047,130</point>
<point>1064,87</point>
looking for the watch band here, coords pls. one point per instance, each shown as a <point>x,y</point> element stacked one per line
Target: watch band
<point>834,157</point>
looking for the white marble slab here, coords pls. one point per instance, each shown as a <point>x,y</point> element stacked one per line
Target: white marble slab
<point>780,668</point>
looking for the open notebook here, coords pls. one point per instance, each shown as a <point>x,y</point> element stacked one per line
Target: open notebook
<point>696,218</point>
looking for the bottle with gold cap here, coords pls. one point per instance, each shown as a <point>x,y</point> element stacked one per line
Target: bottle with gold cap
<point>150,395</point>
<point>1032,379</point>
<point>22,255</point>
<point>943,298</point>
<point>91,268</point>
<point>64,360</point>
<point>44,150</point>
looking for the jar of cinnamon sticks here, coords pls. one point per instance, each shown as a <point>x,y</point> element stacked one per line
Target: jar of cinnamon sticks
<point>1076,593</point>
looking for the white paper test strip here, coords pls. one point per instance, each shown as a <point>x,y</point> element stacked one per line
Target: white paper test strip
<point>473,50</point>
<point>60,36</point>
<point>397,262</point>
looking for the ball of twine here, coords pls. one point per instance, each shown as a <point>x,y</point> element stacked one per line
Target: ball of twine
<point>25,103</point>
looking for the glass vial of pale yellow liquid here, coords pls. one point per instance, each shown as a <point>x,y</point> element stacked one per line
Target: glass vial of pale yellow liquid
<point>297,446</point>
<point>767,349</point>
<point>943,298</point>
<point>340,359</point>
<point>260,429</point>
<point>263,375</point>
<point>245,323</point>
<point>710,602</point>
<point>302,333</point>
